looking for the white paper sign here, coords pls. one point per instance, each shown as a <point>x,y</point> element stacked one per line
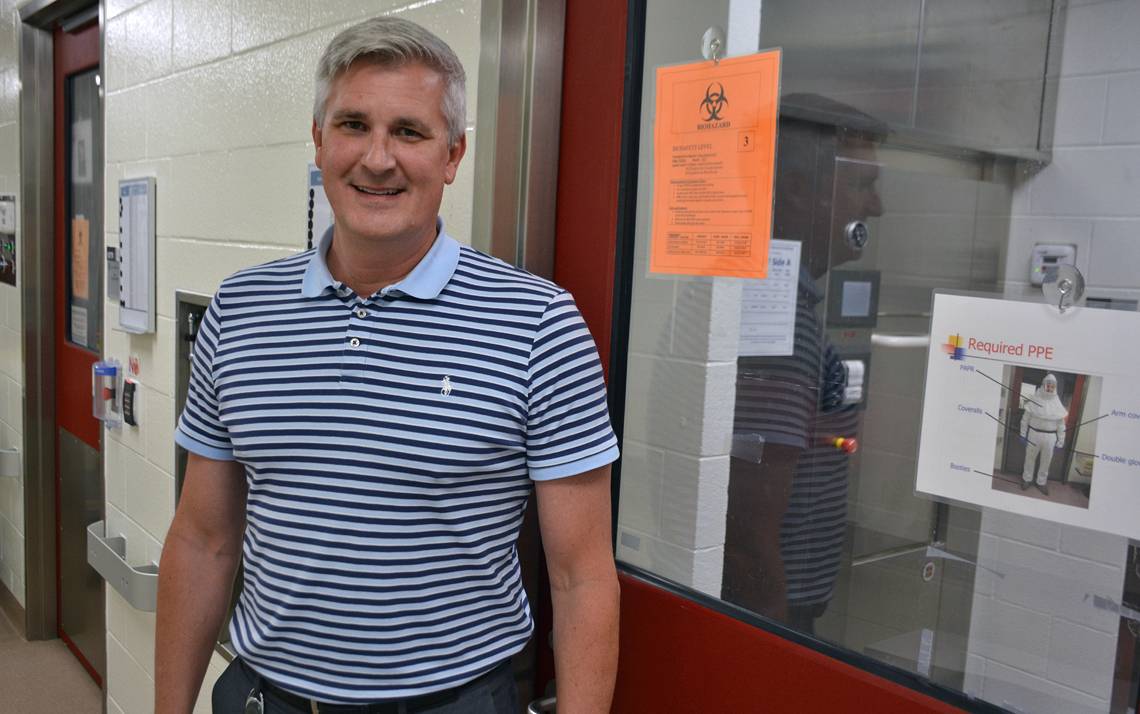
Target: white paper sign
<point>992,434</point>
<point>768,309</point>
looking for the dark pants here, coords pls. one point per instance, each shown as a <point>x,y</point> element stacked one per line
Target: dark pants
<point>492,693</point>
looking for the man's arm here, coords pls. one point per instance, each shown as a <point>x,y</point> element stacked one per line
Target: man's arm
<point>574,518</point>
<point>195,577</point>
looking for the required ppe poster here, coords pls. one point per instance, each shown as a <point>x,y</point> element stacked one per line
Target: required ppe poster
<point>714,152</point>
<point>1034,411</point>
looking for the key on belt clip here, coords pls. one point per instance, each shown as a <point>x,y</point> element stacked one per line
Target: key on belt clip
<point>254,702</point>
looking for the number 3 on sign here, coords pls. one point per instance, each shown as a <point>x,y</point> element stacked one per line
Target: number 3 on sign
<point>747,142</point>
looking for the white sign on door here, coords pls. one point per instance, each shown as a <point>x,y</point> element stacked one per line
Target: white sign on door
<point>1034,411</point>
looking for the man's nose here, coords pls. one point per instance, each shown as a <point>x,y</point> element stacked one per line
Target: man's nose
<point>378,158</point>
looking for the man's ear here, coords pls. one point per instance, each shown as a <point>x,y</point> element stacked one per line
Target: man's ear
<point>454,155</point>
<point>317,143</point>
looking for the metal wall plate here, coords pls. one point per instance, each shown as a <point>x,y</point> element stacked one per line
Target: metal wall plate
<point>10,463</point>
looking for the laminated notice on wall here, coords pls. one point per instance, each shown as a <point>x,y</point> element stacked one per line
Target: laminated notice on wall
<point>768,306</point>
<point>714,159</point>
<point>80,257</point>
<point>1032,411</point>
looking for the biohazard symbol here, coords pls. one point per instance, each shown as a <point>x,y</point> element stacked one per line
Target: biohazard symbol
<point>714,102</point>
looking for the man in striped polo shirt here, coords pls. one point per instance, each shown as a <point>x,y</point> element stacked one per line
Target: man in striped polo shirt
<point>365,423</point>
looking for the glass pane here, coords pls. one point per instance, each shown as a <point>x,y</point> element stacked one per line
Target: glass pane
<point>84,227</point>
<point>780,475</point>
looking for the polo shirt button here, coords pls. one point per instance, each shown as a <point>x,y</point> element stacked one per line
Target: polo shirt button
<point>354,342</point>
<point>361,313</point>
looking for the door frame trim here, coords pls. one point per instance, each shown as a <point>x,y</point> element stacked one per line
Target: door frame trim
<point>37,264</point>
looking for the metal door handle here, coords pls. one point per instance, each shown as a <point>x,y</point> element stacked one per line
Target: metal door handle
<point>538,706</point>
<point>10,463</point>
<point>108,556</point>
<point>880,339</point>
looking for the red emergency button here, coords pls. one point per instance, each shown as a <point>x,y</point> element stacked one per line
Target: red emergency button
<point>844,444</point>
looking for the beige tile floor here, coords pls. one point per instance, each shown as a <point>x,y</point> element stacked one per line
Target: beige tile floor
<point>43,677</point>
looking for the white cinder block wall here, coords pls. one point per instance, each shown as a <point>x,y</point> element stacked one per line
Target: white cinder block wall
<point>11,335</point>
<point>214,99</point>
<point>1037,641</point>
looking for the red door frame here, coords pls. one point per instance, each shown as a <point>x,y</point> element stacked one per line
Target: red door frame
<point>676,654</point>
<point>74,52</point>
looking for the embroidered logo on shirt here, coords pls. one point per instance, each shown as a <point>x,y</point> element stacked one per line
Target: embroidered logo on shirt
<point>446,391</point>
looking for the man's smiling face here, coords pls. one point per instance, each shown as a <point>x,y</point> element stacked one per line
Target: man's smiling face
<point>384,152</point>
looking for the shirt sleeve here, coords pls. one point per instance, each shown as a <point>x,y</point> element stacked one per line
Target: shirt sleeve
<point>200,428</point>
<point>568,421</point>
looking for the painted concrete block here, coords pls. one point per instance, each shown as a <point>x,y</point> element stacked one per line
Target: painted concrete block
<point>149,496</point>
<point>1012,635</point>
<point>133,629</point>
<point>457,23</point>
<point>1116,251</point>
<point>1102,547</point>
<point>114,476</point>
<point>680,405</point>
<point>1082,658</point>
<point>118,7</point>
<point>201,265</point>
<point>1057,584</point>
<point>11,361</point>
<point>159,413</point>
<point>202,31</point>
<point>1091,182</point>
<point>138,45</point>
<point>975,675</point>
<point>250,196</point>
<point>260,22</point>
<point>140,545</point>
<point>1101,38</point>
<point>694,502</point>
<point>1080,111</point>
<point>651,314</point>
<point>343,12</point>
<point>127,682</point>
<point>639,506</point>
<point>708,571</point>
<point>125,120</point>
<point>1122,116</point>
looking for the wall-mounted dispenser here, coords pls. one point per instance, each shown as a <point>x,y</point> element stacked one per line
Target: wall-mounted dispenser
<point>107,392</point>
<point>136,255</point>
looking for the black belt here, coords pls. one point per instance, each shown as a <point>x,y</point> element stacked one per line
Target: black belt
<point>423,702</point>
<point>1042,431</point>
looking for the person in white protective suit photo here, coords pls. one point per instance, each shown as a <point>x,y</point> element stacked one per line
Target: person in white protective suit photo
<point>1043,428</point>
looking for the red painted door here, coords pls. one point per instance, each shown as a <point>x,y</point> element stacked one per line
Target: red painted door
<point>680,652</point>
<point>78,329</point>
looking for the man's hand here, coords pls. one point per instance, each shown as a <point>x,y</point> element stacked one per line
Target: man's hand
<point>574,519</point>
<point>199,559</point>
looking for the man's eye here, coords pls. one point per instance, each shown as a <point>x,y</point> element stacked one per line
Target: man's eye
<point>408,132</point>
<point>353,125</point>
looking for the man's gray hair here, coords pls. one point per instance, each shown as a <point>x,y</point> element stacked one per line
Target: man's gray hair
<point>392,42</point>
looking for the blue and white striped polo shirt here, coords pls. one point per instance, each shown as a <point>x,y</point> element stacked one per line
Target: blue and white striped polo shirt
<point>389,443</point>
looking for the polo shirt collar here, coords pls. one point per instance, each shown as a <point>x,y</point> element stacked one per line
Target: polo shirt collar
<point>426,281</point>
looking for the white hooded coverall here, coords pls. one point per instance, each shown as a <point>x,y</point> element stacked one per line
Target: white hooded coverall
<point>1043,426</point>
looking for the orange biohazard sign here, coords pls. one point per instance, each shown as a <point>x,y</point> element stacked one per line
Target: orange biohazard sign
<point>714,156</point>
